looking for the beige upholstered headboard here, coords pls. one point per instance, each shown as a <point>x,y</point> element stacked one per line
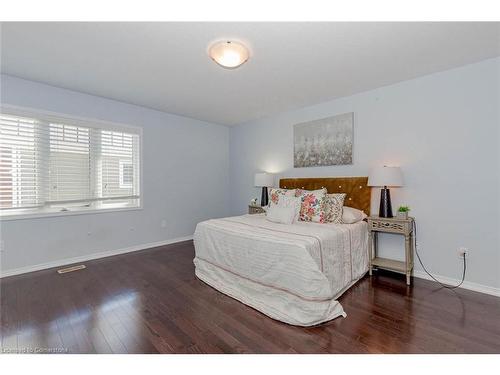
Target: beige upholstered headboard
<point>356,188</point>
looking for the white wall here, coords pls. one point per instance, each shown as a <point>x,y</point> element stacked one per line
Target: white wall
<point>442,129</point>
<point>185,180</point>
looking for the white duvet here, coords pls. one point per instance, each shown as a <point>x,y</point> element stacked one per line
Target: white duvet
<point>292,273</point>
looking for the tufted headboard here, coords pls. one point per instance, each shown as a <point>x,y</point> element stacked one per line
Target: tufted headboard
<point>358,193</point>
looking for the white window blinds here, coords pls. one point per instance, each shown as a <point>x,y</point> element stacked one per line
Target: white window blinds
<point>19,163</point>
<point>69,159</point>
<point>118,158</point>
<point>47,162</point>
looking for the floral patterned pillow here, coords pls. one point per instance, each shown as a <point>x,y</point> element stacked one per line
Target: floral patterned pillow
<point>334,204</point>
<point>275,193</point>
<point>313,205</point>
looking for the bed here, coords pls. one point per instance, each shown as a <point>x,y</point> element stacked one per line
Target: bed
<point>292,273</point>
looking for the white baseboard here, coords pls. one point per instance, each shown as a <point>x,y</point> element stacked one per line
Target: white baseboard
<point>42,266</point>
<point>466,284</point>
<point>84,258</point>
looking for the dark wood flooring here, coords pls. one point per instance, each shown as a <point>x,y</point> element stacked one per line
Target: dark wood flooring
<point>151,302</point>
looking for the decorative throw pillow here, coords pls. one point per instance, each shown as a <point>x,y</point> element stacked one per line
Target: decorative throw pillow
<point>275,194</point>
<point>352,215</point>
<point>280,214</point>
<point>333,207</point>
<point>313,205</point>
<point>294,202</point>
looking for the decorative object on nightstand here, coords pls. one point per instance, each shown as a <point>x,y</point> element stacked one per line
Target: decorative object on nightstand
<point>253,202</point>
<point>384,177</point>
<point>403,212</point>
<point>255,209</point>
<point>264,180</point>
<point>404,227</point>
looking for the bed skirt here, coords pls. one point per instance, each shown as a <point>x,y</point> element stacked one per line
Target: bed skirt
<point>278,304</point>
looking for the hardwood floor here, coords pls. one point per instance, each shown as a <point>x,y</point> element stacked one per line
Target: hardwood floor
<point>151,302</point>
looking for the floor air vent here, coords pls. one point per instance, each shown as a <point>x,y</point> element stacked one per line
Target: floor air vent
<point>71,269</point>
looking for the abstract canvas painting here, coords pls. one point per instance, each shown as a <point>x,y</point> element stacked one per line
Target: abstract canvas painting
<point>324,142</point>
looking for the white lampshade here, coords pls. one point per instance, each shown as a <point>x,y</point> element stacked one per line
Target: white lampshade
<point>263,179</point>
<point>385,176</point>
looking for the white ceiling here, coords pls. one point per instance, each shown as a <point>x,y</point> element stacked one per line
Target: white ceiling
<point>165,65</point>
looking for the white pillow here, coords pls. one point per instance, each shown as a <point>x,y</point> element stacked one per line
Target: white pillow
<point>295,202</point>
<point>352,215</point>
<point>280,214</point>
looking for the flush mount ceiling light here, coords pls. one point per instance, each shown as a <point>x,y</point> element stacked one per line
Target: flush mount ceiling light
<point>228,54</point>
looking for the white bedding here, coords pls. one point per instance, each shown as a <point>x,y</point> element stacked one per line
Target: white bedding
<point>292,273</point>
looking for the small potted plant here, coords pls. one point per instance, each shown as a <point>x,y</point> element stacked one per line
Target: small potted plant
<point>403,212</point>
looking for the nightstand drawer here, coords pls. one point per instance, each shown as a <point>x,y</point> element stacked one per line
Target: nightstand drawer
<point>255,210</point>
<point>390,225</point>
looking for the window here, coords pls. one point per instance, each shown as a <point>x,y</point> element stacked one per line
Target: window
<point>126,174</point>
<point>19,172</point>
<point>50,164</point>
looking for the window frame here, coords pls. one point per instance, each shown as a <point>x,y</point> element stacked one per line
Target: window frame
<point>56,117</point>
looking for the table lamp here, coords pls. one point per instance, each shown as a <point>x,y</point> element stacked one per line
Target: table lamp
<point>384,177</point>
<point>263,180</point>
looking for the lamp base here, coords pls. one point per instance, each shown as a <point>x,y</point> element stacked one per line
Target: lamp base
<point>385,209</point>
<point>264,199</point>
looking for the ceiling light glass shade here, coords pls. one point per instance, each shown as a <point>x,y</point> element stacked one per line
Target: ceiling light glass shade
<point>228,54</point>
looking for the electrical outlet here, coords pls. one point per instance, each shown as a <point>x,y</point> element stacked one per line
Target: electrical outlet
<point>462,251</point>
<point>163,223</point>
